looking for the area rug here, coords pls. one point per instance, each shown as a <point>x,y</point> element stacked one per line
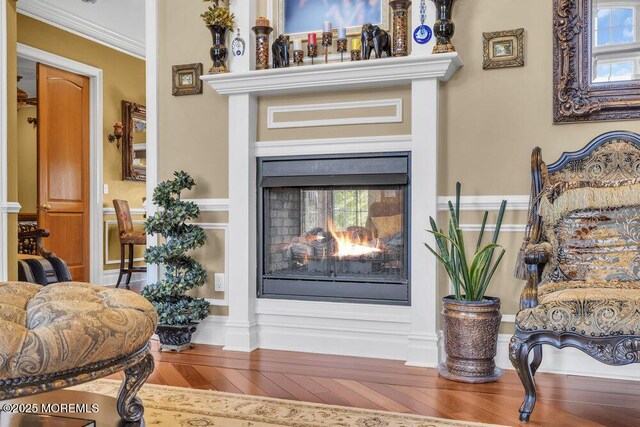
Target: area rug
<point>176,406</point>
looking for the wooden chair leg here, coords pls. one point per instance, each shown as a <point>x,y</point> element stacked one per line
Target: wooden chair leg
<point>130,270</point>
<point>121,265</point>
<point>537,359</point>
<point>519,356</point>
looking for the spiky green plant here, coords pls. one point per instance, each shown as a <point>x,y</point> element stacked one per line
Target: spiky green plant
<point>470,279</point>
<point>182,273</point>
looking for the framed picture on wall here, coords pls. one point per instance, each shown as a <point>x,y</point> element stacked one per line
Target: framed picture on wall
<point>297,18</point>
<point>186,79</point>
<point>503,49</point>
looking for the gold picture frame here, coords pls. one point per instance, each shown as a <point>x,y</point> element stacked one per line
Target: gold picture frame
<point>352,31</point>
<point>503,49</point>
<point>186,79</point>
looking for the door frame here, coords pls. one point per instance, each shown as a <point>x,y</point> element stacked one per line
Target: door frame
<point>95,147</point>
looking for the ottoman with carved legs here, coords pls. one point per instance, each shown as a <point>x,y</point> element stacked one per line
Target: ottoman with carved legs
<point>69,333</point>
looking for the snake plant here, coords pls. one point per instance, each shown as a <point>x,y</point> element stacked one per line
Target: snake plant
<point>470,279</point>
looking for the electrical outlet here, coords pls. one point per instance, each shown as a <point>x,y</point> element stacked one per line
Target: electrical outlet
<point>106,189</point>
<point>219,282</point>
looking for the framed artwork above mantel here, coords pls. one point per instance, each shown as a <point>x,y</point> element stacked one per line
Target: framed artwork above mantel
<point>297,18</point>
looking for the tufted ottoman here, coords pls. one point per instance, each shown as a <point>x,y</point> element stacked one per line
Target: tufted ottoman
<point>69,333</point>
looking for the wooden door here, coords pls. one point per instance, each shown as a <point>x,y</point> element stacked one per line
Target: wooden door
<point>63,166</point>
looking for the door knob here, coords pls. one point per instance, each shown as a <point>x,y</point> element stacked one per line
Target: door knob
<point>46,207</point>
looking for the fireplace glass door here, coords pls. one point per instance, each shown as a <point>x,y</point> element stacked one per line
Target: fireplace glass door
<point>335,242</point>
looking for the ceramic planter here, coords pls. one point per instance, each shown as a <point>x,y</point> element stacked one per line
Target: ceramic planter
<point>470,339</point>
<point>175,338</point>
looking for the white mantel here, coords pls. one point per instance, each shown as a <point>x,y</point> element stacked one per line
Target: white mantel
<point>398,332</point>
<point>337,75</point>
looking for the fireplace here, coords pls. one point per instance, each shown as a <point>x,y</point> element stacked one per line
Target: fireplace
<point>334,228</point>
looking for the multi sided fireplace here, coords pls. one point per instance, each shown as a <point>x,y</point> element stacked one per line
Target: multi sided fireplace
<point>334,228</point>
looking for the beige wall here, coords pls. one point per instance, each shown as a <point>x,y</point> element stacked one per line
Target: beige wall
<point>124,78</point>
<point>490,119</point>
<point>193,129</point>
<point>27,161</point>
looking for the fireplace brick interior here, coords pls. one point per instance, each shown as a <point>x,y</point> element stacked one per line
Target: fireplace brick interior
<point>323,238</point>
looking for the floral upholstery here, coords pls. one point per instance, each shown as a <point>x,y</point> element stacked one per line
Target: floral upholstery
<point>27,246</point>
<point>590,214</point>
<point>68,325</point>
<point>128,236</point>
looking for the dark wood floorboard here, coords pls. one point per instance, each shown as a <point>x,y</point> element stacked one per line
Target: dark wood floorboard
<point>387,385</point>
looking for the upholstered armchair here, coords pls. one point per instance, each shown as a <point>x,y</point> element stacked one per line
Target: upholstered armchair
<point>581,258</point>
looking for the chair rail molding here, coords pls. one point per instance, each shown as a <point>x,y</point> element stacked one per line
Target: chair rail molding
<point>486,203</point>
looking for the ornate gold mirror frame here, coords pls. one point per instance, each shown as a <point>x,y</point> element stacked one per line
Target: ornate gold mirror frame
<point>130,113</point>
<point>575,97</point>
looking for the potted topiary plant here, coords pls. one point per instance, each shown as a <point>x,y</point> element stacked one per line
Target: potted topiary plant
<point>178,313</point>
<point>470,319</point>
<point>218,19</point>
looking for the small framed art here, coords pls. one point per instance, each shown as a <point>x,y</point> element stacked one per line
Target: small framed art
<point>186,79</point>
<point>503,49</point>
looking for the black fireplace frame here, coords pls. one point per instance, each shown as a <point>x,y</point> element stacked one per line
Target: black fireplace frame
<point>392,168</point>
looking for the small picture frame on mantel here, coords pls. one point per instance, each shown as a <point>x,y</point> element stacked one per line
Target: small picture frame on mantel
<point>186,79</point>
<point>503,49</point>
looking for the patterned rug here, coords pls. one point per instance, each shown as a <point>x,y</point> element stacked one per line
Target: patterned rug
<point>175,406</point>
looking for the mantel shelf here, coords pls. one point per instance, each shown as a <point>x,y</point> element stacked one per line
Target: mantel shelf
<point>337,76</point>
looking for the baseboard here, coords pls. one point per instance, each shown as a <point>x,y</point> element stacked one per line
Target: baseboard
<point>569,361</point>
<point>334,328</point>
<point>110,278</point>
<point>211,330</point>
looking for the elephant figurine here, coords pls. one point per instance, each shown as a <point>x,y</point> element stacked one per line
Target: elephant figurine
<point>375,39</point>
<point>280,49</point>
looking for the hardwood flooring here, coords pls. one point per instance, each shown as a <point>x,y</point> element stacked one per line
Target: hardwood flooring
<point>391,386</point>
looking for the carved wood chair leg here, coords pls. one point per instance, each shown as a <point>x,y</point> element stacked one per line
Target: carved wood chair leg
<point>121,265</point>
<point>537,359</point>
<point>130,268</point>
<point>130,406</point>
<point>519,356</point>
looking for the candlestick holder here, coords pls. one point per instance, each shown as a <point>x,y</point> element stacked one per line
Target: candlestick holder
<point>342,48</point>
<point>262,46</point>
<point>312,51</point>
<point>327,40</point>
<point>298,57</point>
<point>400,25</point>
<point>356,55</point>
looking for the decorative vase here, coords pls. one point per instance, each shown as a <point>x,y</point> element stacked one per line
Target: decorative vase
<point>262,46</point>
<point>400,26</point>
<point>470,339</point>
<point>444,27</point>
<point>175,337</point>
<point>219,51</point>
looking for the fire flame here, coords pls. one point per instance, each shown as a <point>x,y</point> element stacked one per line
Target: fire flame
<point>351,247</point>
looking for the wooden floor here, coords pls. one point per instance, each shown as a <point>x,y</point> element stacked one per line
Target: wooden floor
<point>392,386</point>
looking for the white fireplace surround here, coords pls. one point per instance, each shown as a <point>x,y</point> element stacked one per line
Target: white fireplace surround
<point>395,332</point>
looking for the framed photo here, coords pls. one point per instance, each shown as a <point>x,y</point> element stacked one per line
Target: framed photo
<point>186,79</point>
<point>503,49</point>
<point>297,18</point>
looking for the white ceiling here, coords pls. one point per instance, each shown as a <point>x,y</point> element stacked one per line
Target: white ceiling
<point>27,69</point>
<point>117,23</point>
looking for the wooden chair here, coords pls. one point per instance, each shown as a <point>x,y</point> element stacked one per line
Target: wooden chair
<point>581,258</point>
<point>129,238</point>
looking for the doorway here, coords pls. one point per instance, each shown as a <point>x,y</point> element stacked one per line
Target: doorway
<point>68,123</point>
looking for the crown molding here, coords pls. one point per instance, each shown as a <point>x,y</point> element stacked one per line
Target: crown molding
<point>45,12</point>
